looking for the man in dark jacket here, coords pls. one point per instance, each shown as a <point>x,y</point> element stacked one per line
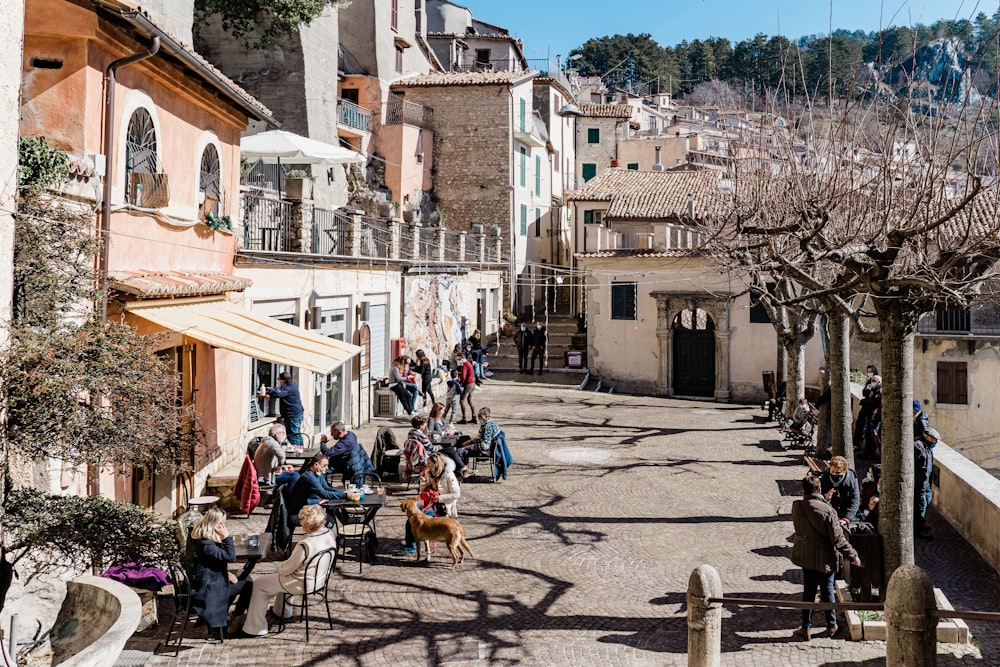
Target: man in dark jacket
<point>538,341</point>
<point>923,464</point>
<point>921,422</point>
<point>290,406</point>
<point>818,541</point>
<point>311,487</point>
<point>522,339</point>
<point>346,455</point>
<point>841,489</point>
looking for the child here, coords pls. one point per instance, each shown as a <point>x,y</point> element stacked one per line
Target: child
<point>454,393</point>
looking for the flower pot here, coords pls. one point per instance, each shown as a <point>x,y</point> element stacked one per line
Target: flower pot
<point>508,329</point>
<point>298,188</point>
<point>409,216</point>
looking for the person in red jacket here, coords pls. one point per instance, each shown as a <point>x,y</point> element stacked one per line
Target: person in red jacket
<point>467,378</point>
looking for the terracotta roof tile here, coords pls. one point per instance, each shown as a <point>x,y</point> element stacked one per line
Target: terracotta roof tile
<point>156,284</point>
<point>655,195</point>
<point>644,253</point>
<point>623,111</point>
<point>464,79</point>
<point>465,35</point>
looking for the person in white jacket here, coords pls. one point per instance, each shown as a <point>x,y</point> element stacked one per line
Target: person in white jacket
<point>291,572</point>
<point>441,476</point>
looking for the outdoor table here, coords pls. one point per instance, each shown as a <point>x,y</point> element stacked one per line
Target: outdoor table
<point>200,502</point>
<point>292,458</point>
<point>251,555</point>
<point>376,500</point>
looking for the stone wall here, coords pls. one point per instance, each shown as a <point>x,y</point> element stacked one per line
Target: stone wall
<point>969,498</point>
<point>472,154</point>
<point>612,130</point>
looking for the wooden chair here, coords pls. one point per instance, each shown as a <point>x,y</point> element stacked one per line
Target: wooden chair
<point>319,569</point>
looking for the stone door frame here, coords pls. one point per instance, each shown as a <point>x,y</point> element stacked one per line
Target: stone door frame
<point>668,306</point>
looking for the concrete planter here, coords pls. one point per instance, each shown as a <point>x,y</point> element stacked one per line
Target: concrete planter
<point>298,188</point>
<point>949,631</point>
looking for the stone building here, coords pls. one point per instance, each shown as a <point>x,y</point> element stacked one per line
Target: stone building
<point>599,129</point>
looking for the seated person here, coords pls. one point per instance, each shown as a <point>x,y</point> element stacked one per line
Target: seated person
<point>436,424</point>
<point>800,416</point>
<point>439,494</point>
<point>269,459</point>
<point>213,586</point>
<point>839,486</point>
<point>397,384</point>
<point>419,433</point>
<point>483,444</point>
<point>291,573</point>
<point>869,486</point>
<point>346,455</point>
<point>311,488</point>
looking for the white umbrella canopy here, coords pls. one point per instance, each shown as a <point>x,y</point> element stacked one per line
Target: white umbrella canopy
<point>279,146</point>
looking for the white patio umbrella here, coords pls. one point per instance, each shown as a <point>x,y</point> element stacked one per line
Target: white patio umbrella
<point>279,146</point>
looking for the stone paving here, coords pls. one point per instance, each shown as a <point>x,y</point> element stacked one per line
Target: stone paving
<point>583,555</point>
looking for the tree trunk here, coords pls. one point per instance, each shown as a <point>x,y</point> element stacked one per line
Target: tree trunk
<point>796,375</point>
<point>838,367</point>
<point>780,364</point>
<point>895,519</point>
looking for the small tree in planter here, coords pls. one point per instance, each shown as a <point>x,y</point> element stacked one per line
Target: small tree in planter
<point>412,212</point>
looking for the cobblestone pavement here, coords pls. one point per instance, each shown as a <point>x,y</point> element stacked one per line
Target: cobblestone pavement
<point>587,563</point>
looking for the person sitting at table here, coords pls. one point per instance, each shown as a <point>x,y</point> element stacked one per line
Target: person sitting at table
<point>436,424</point>
<point>291,572</point>
<point>213,586</point>
<point>420,432</point>
<point>397,384</point>
<point>841,489</point>
<point>346,456</point>
<point>269,458</point>
<point>440,484</point>
<point>483,444</point>
<point>311,488</point>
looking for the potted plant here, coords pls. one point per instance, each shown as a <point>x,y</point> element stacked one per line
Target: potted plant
<point>298,184</point>
<point>412,211</point>
<point>509,320</point>
<point>222,223</point>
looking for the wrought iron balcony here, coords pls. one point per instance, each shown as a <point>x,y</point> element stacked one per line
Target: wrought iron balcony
<point>400,112</point>
<point>352,115</point>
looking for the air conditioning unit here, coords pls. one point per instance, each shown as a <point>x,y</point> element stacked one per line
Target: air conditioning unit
<point>385,403</point>
<point>148,190</point>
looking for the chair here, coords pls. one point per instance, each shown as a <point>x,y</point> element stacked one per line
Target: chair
<point>416,458</point>
<point>384,463</point>
<point>357,529</point>
<point>278,524</point>
<point>181,584</point>
<point>497,456</point>
<point>319,569</point>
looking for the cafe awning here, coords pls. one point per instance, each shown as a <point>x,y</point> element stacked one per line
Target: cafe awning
<point>224,325</point>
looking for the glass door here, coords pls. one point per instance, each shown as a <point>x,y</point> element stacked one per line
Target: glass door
<point>330,390</point>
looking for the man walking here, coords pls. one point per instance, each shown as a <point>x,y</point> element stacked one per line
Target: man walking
<point>289,405</point>
<point>522,339</point>
<point>818,541</point>
<point>538,348</point>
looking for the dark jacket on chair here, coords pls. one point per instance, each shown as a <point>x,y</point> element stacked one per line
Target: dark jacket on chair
<point>210,579</point>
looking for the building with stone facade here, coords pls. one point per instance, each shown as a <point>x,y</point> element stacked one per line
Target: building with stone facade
<point>662,316</point>
<point>599,130</point>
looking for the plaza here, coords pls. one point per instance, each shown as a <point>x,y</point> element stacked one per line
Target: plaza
<point>584,553</point>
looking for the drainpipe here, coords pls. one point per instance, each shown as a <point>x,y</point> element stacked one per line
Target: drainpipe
<point>109,147</point>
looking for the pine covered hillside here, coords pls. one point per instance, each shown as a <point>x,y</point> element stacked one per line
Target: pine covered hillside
<point>950,60</point>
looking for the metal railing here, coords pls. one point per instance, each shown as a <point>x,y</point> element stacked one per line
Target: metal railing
<point>330,232</point>
<point>374,237</point>
<point>493,65</point>
<point>353,115</point>
<point>267,177</point>
<point>265,223</point>
<point>979,320</point>
<point>400,112</point>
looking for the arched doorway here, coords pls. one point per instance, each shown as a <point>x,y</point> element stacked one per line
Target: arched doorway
<point>693,353</point>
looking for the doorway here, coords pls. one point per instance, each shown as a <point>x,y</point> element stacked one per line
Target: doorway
<point>693,353</point>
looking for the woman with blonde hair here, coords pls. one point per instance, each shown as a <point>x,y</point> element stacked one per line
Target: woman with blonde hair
<point>213,586</point>
<point>441,477</point>
<point>291,572</point>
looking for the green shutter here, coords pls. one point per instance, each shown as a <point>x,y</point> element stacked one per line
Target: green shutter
<point>634,166</point>
<point>538,222</point>
<point>524,113</point>
<point>593,135</point>
<point>524,219</point>
<point>588,217</point>
<point>538,175</point>
<point>589,171</point>
<point>524,166</point>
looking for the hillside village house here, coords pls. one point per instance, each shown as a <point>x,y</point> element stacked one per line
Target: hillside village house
<point>173,129</point>
<point>599,129</point>
<point>662,316</point>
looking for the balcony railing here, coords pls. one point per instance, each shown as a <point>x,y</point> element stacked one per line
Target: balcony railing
<point>979,320</point>
<point>352,115</point>
<point>330,230</point>
<point>265,223</point>
<point>400,112</point>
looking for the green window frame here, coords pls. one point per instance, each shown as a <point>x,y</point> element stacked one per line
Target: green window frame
<point>593,135</point>
<point>634,166</point>
<point>524,166</point>
<point>524,219</point>
<point>524,113</point>
<point>538,222</point>
<point>538,175</point>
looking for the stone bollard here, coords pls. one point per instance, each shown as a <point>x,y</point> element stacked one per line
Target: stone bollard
<point>911,632</point>
<point>704,618</point>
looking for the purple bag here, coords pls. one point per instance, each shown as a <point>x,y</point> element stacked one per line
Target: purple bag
<point>138,575</point>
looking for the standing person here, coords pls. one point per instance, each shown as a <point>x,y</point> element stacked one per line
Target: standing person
<point>269,458</point>
<point>859,426</point>
<point>818,540</point>
<point>290,406</point>
<point>522,339</point>
<point>921,422</point>
<point>467,378</point>
<point>425,370</point>
<point>453,396</point>
<point>923,464</point>
<point>841,489</point>
<point>873,422</point>
<point>538,348</point>
<point>398,385</point>
<point>213,586</point>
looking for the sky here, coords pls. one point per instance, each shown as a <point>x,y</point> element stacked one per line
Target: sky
<point>550,27</point>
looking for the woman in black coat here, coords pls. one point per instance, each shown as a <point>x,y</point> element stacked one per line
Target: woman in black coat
<point>213,587</point>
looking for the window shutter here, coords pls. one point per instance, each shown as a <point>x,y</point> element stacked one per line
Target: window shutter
<point>961,383</point>
<point>588,217</point>
<point>589,171</point>
<point>538,175</point>
<point>538,222</point>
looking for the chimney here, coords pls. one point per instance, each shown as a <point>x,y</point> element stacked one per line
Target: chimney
<point>657,166</point>
<point>615,164</point>
<point>691,209</point>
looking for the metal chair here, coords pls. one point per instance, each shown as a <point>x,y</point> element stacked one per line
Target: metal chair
<point>181,583</point>
<point>318,570</point>
<point>357,529</point>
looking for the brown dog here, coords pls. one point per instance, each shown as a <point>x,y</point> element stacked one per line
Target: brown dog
<point>436,528</point>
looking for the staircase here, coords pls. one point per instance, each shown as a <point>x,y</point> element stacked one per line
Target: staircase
<point>561,330</point>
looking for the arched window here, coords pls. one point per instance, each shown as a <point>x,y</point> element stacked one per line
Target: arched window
<point>146,184</point>
<point>210,182</point>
